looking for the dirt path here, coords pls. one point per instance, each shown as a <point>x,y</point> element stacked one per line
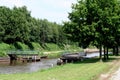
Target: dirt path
<point>113,73</point>
<point>116,75</point>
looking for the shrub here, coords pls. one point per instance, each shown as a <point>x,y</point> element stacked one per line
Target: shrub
<point>51,46</point>
<point>36,46</point>
<point>4,46</point>
<point>21,46</point>
<point>2,53</point>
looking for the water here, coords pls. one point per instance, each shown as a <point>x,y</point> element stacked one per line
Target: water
<point>95,54</point>
<point>27,68</point>
<point>34,66</point>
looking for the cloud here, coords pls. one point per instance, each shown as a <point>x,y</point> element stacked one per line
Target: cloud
<point>59,3</point>
<point>17,3</point>
<point>53,10</point>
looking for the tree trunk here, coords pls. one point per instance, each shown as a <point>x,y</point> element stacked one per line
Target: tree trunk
<point>100,52</point>
<point>104,54</point>
<point>113,50</point>
<point>117,51</point>
<point>107,53</point>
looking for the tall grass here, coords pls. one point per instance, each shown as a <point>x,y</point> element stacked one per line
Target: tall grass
<point>52,47</point>
<point>37,46</point>
<point>4,48</point>
<point>21,46</point>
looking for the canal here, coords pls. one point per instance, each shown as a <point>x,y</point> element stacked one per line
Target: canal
<point>34,66</point>
<point>28,67</point>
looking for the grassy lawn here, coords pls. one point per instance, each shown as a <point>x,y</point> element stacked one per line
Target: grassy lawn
<point>89,69</point>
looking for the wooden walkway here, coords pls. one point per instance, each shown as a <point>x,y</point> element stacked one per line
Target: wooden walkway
<point>23,56</point>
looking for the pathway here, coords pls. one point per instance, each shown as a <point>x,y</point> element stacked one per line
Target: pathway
<point>116,75</point>
<point>113,73</point>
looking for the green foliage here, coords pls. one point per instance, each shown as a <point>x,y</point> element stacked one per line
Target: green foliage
<point>21,46</point>
<point>52,47</point>
<point>4,46</point>
<point>95,22</point>
<point>3,54</point>
<point>36,46</point>
<point>55,54</point>
<point>92,20</point>
<point>17,25</point>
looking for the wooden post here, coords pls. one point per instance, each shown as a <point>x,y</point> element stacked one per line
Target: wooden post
<point>13,59</point>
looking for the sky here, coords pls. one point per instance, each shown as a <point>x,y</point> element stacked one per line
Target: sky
<point>52,10</point>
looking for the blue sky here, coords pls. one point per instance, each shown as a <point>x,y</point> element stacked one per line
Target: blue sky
<point>52,10</point>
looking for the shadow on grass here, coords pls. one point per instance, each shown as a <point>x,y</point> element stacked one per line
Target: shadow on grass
<point>96,59</point>
<point>88,60</point>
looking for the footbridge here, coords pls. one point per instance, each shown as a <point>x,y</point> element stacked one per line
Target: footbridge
<point>23,56</point>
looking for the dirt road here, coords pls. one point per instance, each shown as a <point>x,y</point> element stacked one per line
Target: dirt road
<point>113,73</point>
<point>116,75</point>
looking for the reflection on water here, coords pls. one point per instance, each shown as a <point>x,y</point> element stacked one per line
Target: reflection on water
<point>29,67</point>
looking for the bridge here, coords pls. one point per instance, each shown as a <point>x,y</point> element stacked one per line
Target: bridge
<point>24,56</point>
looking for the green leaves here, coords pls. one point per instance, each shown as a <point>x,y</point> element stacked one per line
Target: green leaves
<point>96,21</point>
<point>17,25</point>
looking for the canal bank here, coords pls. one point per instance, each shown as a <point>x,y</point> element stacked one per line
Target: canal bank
<point>89,69</point>
<point>35,66</point>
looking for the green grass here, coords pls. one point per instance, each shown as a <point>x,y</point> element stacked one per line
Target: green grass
<point>86,70</point>
<point>4,46</point>
<point>55,55</point>
<point>52,47</point>
<point>21,46</point>
<point>36,46</point>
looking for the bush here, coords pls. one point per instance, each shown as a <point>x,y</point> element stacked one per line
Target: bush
<point>4,46</point>
<point>52,47</point>
<point>21,46</point>
<point>36,46</point>
<point>3,53</point>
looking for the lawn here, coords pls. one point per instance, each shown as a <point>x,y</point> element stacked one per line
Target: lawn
<point>89,69</point>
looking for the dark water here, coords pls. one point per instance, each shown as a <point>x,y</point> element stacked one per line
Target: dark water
<point>29,67</point>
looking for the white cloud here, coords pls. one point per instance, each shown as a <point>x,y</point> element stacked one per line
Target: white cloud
<point>17,3</point>
<point>53,10</point>
<point>11,3</point>
<point>64,4</point>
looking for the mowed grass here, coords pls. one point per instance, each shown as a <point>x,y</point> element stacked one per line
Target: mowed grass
<point>87,70</point>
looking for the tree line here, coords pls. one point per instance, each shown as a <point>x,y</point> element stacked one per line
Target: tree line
<point>95,22</point>
<point>17,25</point>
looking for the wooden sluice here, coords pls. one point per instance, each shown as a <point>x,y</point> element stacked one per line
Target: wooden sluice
<point>4,60</point>
<point>71,57</point>
<point>15,57</point>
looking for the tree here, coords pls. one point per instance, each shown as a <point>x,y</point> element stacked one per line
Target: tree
<point>91,22</point>
<point>17,25</point>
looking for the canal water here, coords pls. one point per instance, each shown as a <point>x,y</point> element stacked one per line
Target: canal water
<point>28,67</point>
<point>34,66</point>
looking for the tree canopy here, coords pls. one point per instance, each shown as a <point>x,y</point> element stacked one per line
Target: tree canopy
<point>17,25</point>
<point>94,22</point>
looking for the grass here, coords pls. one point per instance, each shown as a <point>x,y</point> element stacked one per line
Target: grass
<point>89,69</point>
<point>52,47</point>
<point>4,47</point>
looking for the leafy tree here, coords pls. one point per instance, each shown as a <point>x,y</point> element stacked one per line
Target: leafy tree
<point>17,25</point>
<point>92,22</point>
